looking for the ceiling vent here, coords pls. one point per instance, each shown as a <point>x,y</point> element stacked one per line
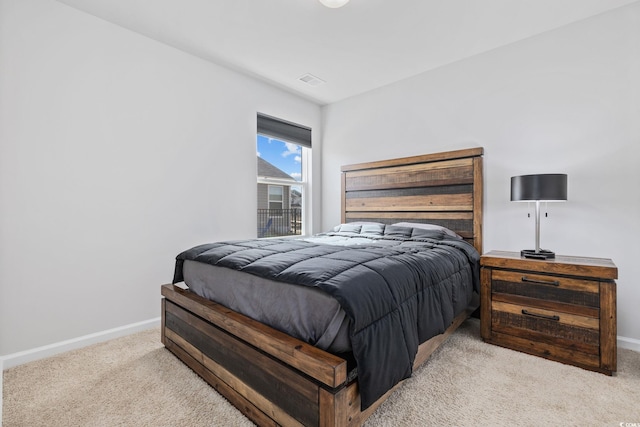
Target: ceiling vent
<point>311,80</point>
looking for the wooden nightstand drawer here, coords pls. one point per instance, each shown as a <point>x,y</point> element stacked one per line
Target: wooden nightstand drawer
<point>550,326</point>
<point>562,309</point>
<point>547,287</point>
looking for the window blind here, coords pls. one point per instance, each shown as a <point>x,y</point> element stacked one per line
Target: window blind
<point>281,129</point>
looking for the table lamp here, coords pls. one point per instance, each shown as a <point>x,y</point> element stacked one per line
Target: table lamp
<point>538,188</point>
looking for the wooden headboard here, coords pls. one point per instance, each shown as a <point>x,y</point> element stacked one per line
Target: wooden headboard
<point>441,188</point>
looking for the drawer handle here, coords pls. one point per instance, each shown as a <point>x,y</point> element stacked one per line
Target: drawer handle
<point>542,316</point>
<point>542,282</point>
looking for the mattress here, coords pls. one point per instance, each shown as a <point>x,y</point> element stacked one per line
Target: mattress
<point>305,313</point>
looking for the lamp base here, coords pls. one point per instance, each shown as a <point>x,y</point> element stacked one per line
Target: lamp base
<point>541,254</point>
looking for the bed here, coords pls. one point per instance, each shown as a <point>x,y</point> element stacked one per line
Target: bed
<point>277,379</point>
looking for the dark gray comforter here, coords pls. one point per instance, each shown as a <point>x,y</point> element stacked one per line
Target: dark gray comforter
<point>397,293</point>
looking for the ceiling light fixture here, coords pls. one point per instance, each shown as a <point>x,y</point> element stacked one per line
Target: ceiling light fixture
<point>334,3</point>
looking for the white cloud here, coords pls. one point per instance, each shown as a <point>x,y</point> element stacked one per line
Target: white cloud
<point>296,175</point>
<point>258,153</point>
<point>297,159</point>
<point>291,149</point>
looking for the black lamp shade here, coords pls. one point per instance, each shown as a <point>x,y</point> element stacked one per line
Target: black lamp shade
<point>545,187</point>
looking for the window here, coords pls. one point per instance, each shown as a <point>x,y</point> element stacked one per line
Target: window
<point>283,155</point>
<point>275,198</point>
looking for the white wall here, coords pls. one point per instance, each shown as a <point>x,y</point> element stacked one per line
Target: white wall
<point>116,153</point>
<point>567,101</point>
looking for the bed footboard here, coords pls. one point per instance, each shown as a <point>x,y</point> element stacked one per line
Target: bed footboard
<point>272,378</point>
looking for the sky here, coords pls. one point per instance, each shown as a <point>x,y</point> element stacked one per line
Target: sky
<point>283,155</point>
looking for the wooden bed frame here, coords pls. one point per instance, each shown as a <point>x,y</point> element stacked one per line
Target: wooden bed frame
<point>275,379</point>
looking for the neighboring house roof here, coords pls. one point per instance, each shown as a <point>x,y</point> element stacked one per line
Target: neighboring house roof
<point>266,169</point>
<point>296,198</point>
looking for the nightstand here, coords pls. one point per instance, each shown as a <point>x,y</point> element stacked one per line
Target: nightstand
<point>563,309</point>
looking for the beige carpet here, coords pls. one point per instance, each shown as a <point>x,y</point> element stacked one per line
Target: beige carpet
<point>134,381</point>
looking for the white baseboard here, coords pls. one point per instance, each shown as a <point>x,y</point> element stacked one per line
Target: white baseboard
<point>629,343</point>
<point>15,359</point>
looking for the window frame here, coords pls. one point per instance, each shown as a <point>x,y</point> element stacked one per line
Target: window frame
<point>304,183</point>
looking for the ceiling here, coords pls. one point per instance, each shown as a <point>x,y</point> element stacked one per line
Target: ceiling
<point>359,47</point>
